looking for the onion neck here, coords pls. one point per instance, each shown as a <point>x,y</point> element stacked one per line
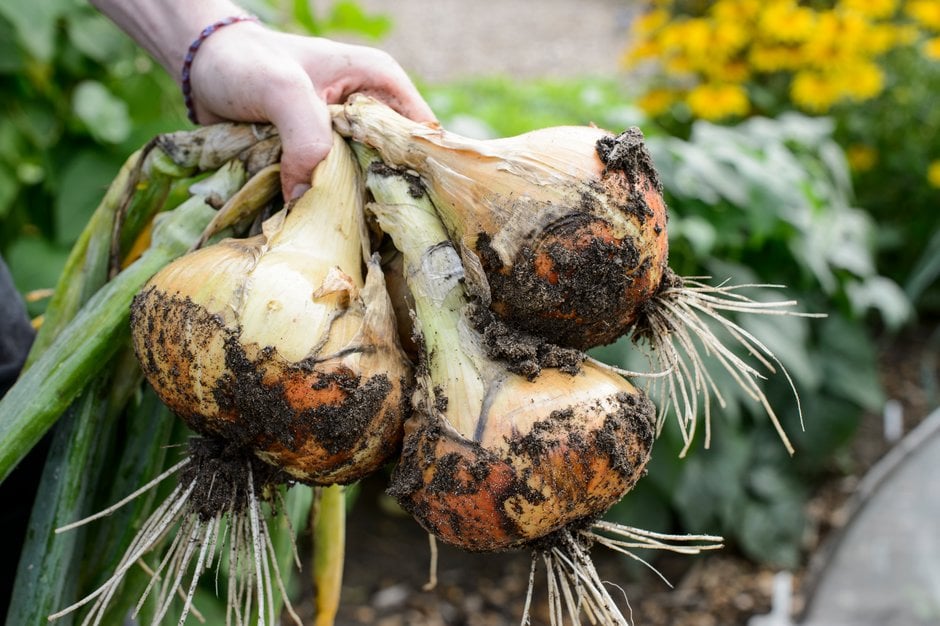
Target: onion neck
<point>460,375</point>
<point>326,221</point>
<point>308,266</point>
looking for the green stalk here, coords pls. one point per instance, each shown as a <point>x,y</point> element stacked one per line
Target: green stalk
<point>46,575</point>
<point>329,546</point>
<point>458,368</point>
<point>284,529</point>
<point>83,348</point>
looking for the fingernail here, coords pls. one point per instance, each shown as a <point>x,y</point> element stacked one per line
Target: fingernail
<point>298,191</point>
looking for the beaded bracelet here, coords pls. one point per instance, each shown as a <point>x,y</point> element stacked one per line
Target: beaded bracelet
<point>185,83</point>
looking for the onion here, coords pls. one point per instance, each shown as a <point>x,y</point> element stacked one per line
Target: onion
<point>562,232</point>
<point>568,224</point>
<point>493,460</point>
<point>496,460</point>
<point>277,344</point>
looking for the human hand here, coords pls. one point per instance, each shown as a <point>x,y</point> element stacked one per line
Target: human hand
<point>246,72</point>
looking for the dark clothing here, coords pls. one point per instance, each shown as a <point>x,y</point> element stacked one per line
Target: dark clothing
<point>18,491</point>
<point>16,333</point>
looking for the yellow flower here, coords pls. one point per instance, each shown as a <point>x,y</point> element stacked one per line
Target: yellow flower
<point>933,173</point>
<point>728,37</point>
<point>860,81</point>
<point>812,91</point>
<point>927,12</point>
<point>877,9</point>
<point>775,58</point>
<point>861,157</point>
<point>932,48</point>
<point>643,50</point>
<point>678,65</point>
<point>737,11</point>
<point>693,36</point>
<point>657,101</point>
<point>650,22</point>
<point>727,72</point>
<point>787,22</point>
<point>716,102</point>
<point>881,38</point>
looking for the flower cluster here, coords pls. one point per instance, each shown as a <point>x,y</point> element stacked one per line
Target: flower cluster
<point>718,58</point>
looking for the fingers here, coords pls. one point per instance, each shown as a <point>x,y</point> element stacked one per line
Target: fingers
<point>263,75</point>
<point>388,82</point>
<point>340,70</point>
<point>303,122</point>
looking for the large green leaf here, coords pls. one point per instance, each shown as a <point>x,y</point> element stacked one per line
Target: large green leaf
<point>12,59</point>
<point>106,117</point>
<point>83,179</point>
<point>35,22</point>
<point>35,263</point>
<point>849,363</point>
<point>96,37</point>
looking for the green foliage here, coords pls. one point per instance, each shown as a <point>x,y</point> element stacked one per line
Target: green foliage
<point>503,107</point>
<point>899,130</point>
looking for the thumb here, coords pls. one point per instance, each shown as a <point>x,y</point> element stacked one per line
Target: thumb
<point>303,122</point>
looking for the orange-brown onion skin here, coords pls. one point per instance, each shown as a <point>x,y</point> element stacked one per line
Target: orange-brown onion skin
<point>522,479</point>
<point>321,422</point>
<point>582,278</point>
<point>568,223</point>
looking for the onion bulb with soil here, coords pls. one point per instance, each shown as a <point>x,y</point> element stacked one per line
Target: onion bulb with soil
<point>285,359</point>
<point>278,344</point>
<point>562,232</point>
<point>496,460</point>
<point>567,224</point>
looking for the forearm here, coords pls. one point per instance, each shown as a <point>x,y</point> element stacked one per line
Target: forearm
<point>165,28</point>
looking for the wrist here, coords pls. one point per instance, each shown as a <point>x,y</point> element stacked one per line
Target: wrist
<point>167,28</point>
<point>190,56</point>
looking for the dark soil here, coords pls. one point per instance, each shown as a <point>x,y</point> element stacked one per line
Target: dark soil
<point>221,473</point>
<point>524,354</point>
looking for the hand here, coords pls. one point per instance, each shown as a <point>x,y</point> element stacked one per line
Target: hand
<point>246,72</point>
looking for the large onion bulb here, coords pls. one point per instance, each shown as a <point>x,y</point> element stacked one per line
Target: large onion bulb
<point>277,343</point>
<point>493,460</point>
<point>568,224</point>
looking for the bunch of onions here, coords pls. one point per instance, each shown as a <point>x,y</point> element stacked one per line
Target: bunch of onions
<point>494,460</point>
<point>286,360</point>
<point>562,232</point>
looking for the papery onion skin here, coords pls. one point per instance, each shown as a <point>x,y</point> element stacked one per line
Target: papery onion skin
<point>568,223</point>
<point>231,351</point>
<point>493,459</point>
<point>527,474</point>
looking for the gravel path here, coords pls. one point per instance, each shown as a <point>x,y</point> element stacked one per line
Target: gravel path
<point>445,40</point>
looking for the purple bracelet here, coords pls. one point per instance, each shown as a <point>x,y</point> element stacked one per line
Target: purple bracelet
<point>191,54</point>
